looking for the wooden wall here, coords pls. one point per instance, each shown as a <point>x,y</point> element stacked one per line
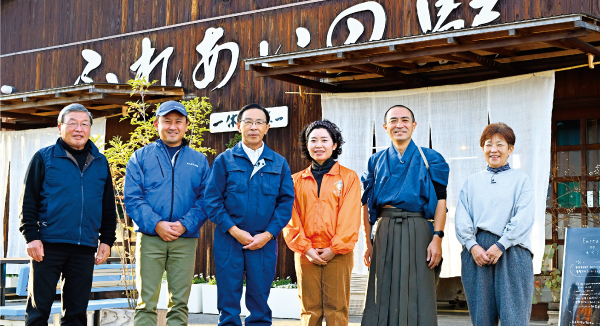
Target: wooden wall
<point>32,24</point>
<point>36,24</point>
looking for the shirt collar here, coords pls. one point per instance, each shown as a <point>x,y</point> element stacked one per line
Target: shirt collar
<point>253,151</point>
<point>253,155</point>
<point>500,169</point>
<point>397,152</point>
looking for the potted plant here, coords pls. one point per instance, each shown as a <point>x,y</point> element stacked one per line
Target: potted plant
<point>195,301</point>
<point>551,276</point>
<point>554,283</point>
<point>209,296</point>
<point>11,280</point>
<point>284,301</point>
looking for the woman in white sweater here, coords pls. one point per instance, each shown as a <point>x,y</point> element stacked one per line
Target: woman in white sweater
<point>494,218</point>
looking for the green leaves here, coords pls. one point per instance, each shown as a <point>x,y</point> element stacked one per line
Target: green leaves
<point>198,110</point>
<point>233,141</point>
<point>554,280</point>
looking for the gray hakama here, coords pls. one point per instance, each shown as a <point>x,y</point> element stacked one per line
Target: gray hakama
<point>401,288</point>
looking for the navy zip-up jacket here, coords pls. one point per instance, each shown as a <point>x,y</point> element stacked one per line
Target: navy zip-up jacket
<point>160,189</point>
<point>63,203</point>
<point>255,204</point>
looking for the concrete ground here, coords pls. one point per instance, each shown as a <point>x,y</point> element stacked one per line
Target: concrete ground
<point>443,320</point>
<point>211,320</point>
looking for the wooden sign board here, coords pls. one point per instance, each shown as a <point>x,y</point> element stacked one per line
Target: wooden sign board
<point>580,297</point>
<point>225,121</point>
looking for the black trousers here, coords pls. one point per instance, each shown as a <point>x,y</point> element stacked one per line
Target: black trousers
<point>77,271</point>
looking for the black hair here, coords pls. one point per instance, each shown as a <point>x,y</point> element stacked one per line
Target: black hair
<point>334,132</point>
<point>253,106</point>
<point>398,106</point>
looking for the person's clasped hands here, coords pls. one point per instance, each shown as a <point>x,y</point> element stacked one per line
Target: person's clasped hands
<point>169,231</point>
<point>486,257</point>
<point>319,256</point>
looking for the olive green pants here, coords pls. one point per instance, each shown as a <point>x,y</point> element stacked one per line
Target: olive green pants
<point>154,256</point>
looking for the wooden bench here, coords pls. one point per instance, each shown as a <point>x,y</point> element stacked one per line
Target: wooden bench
<point>107,278</point>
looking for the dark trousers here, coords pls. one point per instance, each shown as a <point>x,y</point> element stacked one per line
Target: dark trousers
<point>501,291</point>
<point>77,274</point>
<point>231,261</point>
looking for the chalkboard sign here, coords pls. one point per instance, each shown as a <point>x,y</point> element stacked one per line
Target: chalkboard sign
<point>580,297</point>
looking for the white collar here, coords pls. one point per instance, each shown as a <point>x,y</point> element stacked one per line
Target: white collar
<point>253,154</point>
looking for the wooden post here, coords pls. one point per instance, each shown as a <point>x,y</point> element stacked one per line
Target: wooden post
<point>6,210</point>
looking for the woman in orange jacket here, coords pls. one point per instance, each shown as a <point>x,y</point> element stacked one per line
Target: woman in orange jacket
<point>324,226</point>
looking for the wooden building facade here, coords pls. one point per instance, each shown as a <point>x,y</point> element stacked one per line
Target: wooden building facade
<point>42,44</point>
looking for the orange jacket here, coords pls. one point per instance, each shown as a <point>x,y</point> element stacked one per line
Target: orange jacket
<point>331,220</point>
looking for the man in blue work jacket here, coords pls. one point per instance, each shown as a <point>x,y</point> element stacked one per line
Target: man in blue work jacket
<point>164,196</point>
<point>249,196</point>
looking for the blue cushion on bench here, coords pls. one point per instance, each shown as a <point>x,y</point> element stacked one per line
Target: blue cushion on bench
<point>92,306</point>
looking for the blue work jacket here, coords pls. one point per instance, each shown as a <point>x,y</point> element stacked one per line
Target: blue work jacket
<point>71,205</point>
<point>254,204</point>
<point>160,189</point>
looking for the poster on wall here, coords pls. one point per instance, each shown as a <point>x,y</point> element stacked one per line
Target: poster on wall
<point>580,297</point>
<point>225,121</point>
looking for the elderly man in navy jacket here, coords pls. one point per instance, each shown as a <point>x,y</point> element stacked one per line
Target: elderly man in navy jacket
<point>164,196</point>
<point>249,197</point>
<point>68,208</point>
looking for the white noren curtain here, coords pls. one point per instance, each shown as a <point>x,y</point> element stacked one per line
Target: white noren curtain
<point>452,118</point>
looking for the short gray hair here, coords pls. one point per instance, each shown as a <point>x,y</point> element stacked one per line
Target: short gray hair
<point>74,107</point>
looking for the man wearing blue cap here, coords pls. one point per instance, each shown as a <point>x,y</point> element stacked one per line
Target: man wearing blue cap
<point>164,196</point>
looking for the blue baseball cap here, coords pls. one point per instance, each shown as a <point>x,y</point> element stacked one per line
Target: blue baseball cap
<point>169,106</point>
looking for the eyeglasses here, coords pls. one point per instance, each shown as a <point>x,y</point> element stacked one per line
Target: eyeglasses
<point>73,124</point>
<point>249,123</point>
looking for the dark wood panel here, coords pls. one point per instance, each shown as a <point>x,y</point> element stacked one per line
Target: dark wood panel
<point>576,84</point>
<point>30,25</point>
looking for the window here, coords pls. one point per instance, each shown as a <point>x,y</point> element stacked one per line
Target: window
<point>573,194</point>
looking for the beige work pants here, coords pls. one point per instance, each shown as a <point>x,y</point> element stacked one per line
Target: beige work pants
<point>324,291</point>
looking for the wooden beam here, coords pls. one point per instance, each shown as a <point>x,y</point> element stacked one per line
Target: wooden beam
<point>386,72</point>
<point>579,102</point>
<point>503,51</point>
<point>448,57</point>
<point>482,45</point>
<point>349,78</point>
<point>96,89</point>
<point>582,46</point>
<point>559,44</point>
<point>98,113</point>
<point>113,100</point>
<point>403,64</point>
<point>21,116</point>
<point>104,107</point>
<point>14,126</point>
<point>486,62</point>
<point>528,57</point>
<point>309,83</point>
<point>317,74</point>
<point>55,101</point>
